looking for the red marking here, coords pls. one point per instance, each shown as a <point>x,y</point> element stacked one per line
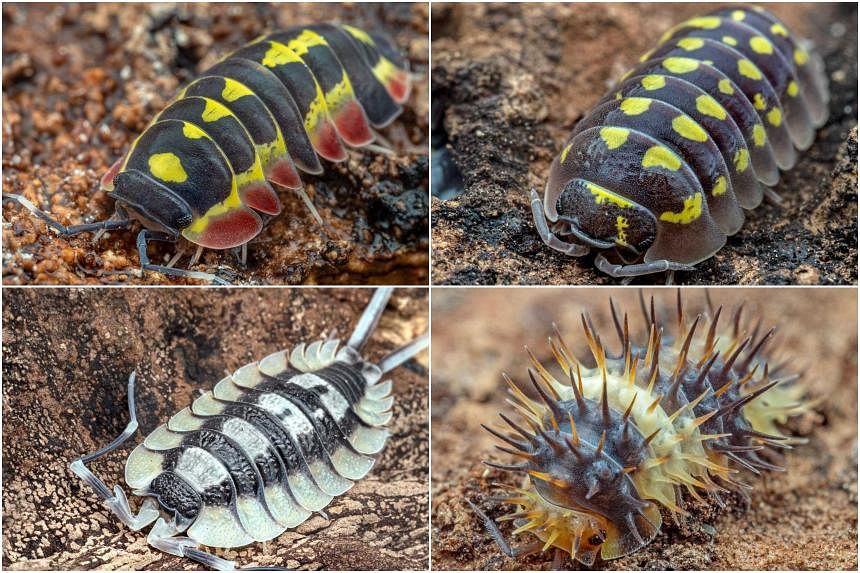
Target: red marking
<point>261,197</point>
<point>352,124</point>
<point>231,229</point>
<point>108,177</point>
<point>284,173</point>
<point>327,143</point>
<point>398,87</point>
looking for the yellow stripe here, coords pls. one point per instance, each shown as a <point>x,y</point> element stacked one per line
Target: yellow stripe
<point>602,196</point>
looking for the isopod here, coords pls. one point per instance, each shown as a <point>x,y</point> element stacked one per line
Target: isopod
<point>658,173</point>
<point>268,446</point>
<point>602,449</point>
<point>203,169</point>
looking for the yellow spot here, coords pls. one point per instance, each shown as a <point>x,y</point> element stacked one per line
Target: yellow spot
<point>635,105</point>
<point>705,22</point>
<point>564,152</point>
<point>738,15</point>
<point>774,117</point>
<point>653,82</point>
<point>742,160</point>
<point>692,210</point>
<point>279,55</point>
<point>689,129</point>
<point>621,235</point>
<point>661,156</point>
<point>214,111</point>
<point>618,95</point>
<point>730,41</point>
<point>167,167</point>
<point>602,195</point>
<point>340,94</point>
<point>710,107</point>
<point>779,30</point>
<point>680,65</point>
<point>690,44</point>
<point>749,69</point>
<point>801,56</point>
<point>792,88</point>
<point>758,102</point>
<point>725,86</point>
<point>233,90</point>
<point>719,186</point>
<point>761,45</point>
<point>759,135</point>
<point>191,131</point>
<point>359,34</point>
<point>614,137</point>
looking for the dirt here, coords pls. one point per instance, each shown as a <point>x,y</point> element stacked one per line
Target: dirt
<point>510,81</point>
<point>81,81</point>
<point>67,354</point>
<point>801,519</point>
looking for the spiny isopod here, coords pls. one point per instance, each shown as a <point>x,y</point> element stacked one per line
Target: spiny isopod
<point>665,417</point>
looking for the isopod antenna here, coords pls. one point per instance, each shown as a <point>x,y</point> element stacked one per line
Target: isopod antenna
<point>404,353</point>
<point>369,319</point>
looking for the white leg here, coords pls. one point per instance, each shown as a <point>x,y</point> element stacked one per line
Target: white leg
<point>553,242</point>
<point>620,271</point>
<point>118,502</point>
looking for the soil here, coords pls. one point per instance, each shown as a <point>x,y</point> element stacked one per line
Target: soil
<point>510,81</point>
<point>81,81</point>
<point>67,354</point>
<point>801,519</point>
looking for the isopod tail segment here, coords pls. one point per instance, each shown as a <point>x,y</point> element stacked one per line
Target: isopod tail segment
<point>671,415</point>
<point>659,172</point>
<point>289,377</point>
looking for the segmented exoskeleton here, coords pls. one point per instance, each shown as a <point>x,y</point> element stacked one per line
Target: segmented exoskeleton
<point>204,167</point>
<point>664,417</point>
<point>657,174</point>
<point>269,445</point>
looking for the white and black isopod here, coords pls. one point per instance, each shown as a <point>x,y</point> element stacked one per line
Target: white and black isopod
<point>269,445</point>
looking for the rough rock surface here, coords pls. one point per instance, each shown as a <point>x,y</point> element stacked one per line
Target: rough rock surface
<point>804,518</point>
<point>510,81</point>
<point>66,356</point>
<point>81,81</point>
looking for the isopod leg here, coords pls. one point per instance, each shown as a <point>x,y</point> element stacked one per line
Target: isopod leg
<point>553,242</point>
<point>623,271</point>
<point>117,502</point>
<point>163,536</point>
<point>369,318</point>
<point>493,530</point>
<point>143,239</point>
<point>107,225</point>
